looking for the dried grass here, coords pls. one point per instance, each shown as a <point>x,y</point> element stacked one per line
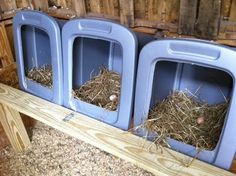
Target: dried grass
<point>182,116</point>
<point>42,75</point>
<point>102,90</point>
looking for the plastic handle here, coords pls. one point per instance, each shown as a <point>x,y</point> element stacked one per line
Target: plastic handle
<point>31,18</point>
<point>95,26</point>
<point>195,49</point>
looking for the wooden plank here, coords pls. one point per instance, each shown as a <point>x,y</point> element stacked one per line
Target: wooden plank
<point>172,8</point>
<point>187,16</point>
<point>14,128</point>
<point>62,13</point>
<point>28,123</point>
<point>127,12</point>
<point>95,6</point>
<point>110,7</point>
<point>79,7</point>
<point>226,9</point>
<point>6,16</point>
<point>156,24</point>
<point>233,167</point>
<point>99,15</point>
<point>9,31</point>
<point>8,75</point>
<point>62,3</point>
<point>207,24</point>
<point>232,16</point>
<point>110,139</point>
<point>6,56</point>
<point>7,5</point>
<point>155,10</point>
<point>22,3</point>
<point>140,9</point>
<point>40,5</point>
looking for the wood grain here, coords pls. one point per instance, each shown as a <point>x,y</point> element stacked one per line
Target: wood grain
<point>8,75</point>
<point>140,9</point>
<point>6,57</point>
<point>208,21</point>
<point>127,12</point>
<point>79,7</point>
<point>226,9</point>
<point>9,31</point>
<point>110,139</point>
<point>40,5</point>
<point>7,5</point>
<point>187,17</point>
<point>110,7</point>
<point>22,3</point>
<point>95,6</point>
<point>14,128</point>
<point>232,16</point>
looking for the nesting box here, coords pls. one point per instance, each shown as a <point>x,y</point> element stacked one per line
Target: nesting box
<point>89,44</point>
<point>172,64</point>
<point>37,40</point>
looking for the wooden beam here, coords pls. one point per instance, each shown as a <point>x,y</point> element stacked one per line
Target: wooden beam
<point>127,12</point>
<point>187,16</point>
<point>14,128</point>
<point>62,13</point>
<point>110,139</point>
<point>207,24</point>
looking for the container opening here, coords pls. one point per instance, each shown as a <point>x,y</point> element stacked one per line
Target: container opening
<point>37,55</point>
<point>189,102</point>
<point>97,68</point>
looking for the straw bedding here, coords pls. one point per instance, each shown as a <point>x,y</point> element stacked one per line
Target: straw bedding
<point>182,116</point>
<point>42,75</point>
<point>102,90</point>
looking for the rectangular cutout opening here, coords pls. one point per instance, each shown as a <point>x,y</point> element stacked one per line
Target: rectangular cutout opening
<point>97,68</point>
<point>190,102</point>
<point>37,55</point>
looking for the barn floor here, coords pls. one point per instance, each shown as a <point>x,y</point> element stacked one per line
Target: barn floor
<point>55,153</point>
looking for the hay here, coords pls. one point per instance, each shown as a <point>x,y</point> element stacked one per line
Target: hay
<point>102,90</point>
<point>42,75</point>
<point>184,117</point>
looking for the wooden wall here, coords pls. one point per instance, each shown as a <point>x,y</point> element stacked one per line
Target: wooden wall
<point>211,19</point>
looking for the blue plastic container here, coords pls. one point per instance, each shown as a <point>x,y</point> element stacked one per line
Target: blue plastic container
<point>171,64</point>
<point>87,45</point>
<point>37,39</point>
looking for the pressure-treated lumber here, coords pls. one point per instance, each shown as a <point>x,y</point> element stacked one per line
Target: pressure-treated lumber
<point>110,139</point>
<point>14,128</point>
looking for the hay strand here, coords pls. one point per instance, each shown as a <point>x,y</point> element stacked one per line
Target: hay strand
<point>183,117</point>
<point>102,90</point>
<point>41,75</point>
